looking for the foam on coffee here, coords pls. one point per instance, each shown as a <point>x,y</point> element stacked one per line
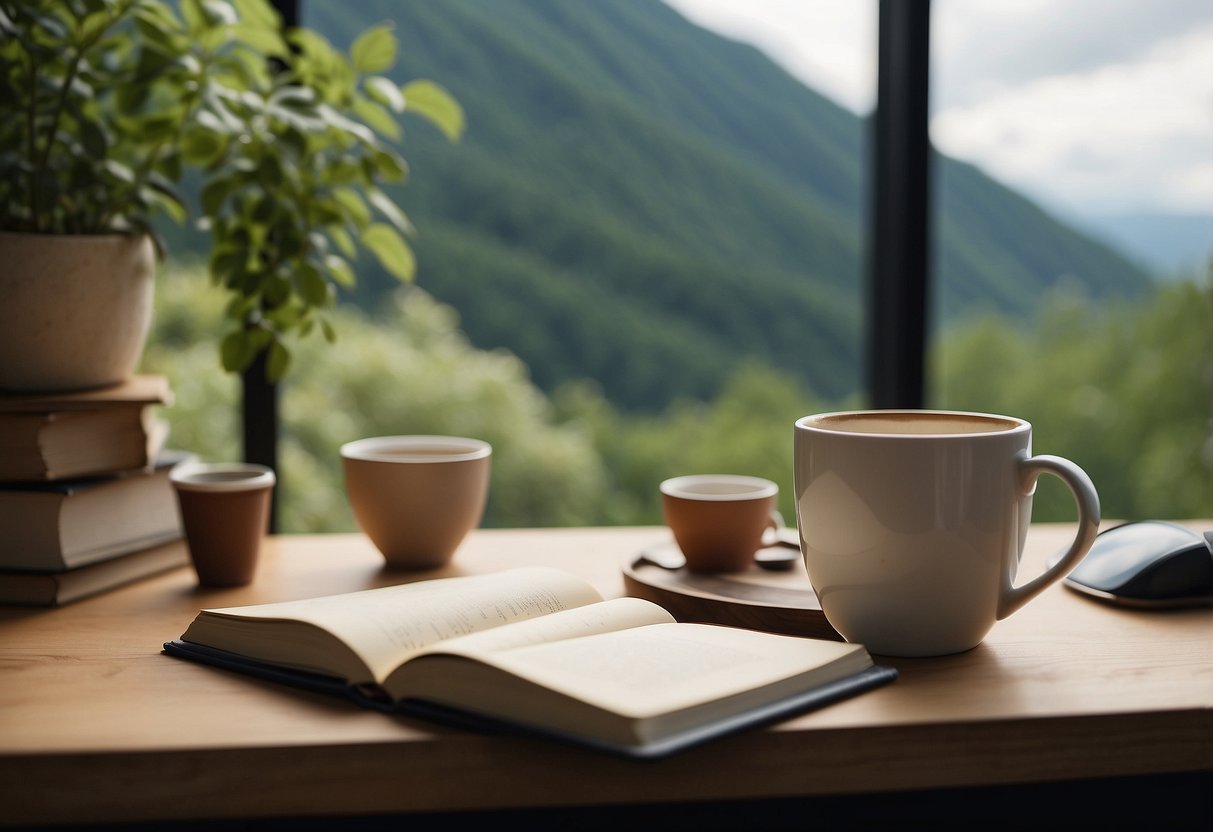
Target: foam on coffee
<point>901,423</point>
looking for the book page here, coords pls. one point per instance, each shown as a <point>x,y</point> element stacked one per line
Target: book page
<point>386,626</point>
<point>632,684</point>
<point>652,670</point>
<point>615,614</point>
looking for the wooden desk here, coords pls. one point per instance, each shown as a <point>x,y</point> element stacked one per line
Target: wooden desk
<point>97,726</point>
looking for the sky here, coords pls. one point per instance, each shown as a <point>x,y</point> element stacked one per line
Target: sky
<point>1091,107</point>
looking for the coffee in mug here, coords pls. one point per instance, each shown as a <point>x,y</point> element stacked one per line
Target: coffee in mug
<point>912,523</point>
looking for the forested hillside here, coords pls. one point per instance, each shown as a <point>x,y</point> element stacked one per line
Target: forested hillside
<point>643,203</point>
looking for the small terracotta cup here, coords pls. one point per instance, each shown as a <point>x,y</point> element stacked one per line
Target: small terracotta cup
<point>416,497</point>
<point>719,520</point>
<point>225,510</point>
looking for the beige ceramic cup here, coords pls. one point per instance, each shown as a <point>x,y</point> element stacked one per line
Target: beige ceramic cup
<point>912,523</point>
<point>225,514</point>
<point>719,520</point>
<point>417,497</point>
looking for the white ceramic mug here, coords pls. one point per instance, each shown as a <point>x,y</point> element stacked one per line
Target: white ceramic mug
<point>912,523</point>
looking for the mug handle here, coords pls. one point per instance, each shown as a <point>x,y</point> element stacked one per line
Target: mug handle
<point>1080,485</point>
<point>774,533</point>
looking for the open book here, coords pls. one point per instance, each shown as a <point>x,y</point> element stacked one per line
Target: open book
<point>535,650</point>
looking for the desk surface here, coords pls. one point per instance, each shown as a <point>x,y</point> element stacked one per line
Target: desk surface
<point>97,725</point>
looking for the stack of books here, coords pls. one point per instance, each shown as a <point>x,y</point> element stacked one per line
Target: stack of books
<point>85,499</point>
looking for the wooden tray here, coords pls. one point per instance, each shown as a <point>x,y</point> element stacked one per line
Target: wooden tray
<point>757,599</point>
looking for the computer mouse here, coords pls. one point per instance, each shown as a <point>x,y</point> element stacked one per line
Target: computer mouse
<point>1147,563</point>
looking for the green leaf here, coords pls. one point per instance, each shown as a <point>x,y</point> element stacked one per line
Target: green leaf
<point>375,49</point>
<point>163,193</point>
<point>93,24</point>
<point>293,140</point>
<point>172,206</point>
<point>264,209</point>
<point>297,118</point>
<point>377,118</point>
<point>153,62</point>
<point>311,44</point>
<point>311,285</point>
<point>259,338</point>
<point>433,102</point>
<point>195,17</point>
<point>209,121</point>
<point>272,171</point>
<point>277,361</point>
<point>266,41</point>
<point>169,165</point>
<point>286,318</point>
<point>201,147</point>
<point>343,240</point>
<point>214,194</point>
<point>391,211</point>
<point>258,12</point>
<point>157,23</point>
<point>92,136</point>
<point>385,91</point>
<point>340,270</point>
<point>358,131</point>
<point>393,253</point>
<point>354,206</point>
<point>293,96</point>
<point>212,39</point>
<point>119,171</point>
<point>318,242</point>
<point>389,165</point>
<point>220,12</point>
<point>276,290</point>
<point>236,352</point>
<point>343,171</point>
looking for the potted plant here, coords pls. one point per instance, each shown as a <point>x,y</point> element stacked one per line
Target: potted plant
<point>110,105</point>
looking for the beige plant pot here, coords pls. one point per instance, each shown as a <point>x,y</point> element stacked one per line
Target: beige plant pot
<point>74,310</point>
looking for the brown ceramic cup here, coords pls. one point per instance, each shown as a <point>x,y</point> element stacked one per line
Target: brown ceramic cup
<point>225,511</point>
<point>719,520</point>
<point>416,497</point>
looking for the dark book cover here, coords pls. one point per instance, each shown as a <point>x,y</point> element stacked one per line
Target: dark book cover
<point>806,700</point>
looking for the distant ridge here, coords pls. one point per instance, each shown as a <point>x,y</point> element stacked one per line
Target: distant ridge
<point>642,202</point>
<point>1174,245</point>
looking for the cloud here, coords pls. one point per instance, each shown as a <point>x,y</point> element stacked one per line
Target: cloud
<point>1115,137</point>
<point>1092,106</point>
<point>990,44</point>
<point>828,44</point>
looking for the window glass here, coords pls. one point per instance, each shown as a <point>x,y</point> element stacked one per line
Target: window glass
<point>1096,118</point>
<point>646,255</point>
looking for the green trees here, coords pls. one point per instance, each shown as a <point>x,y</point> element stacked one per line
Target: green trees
<point>1123,390</point>
<point>409,371</point>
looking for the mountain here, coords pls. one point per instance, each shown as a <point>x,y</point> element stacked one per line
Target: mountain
<point>1173,245</point>
<point>639,201</point>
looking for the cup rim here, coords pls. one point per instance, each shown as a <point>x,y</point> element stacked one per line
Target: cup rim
<point>396,448</point>
<point>819,422</point>
<point>185,476</point>
<point>759,487</point>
